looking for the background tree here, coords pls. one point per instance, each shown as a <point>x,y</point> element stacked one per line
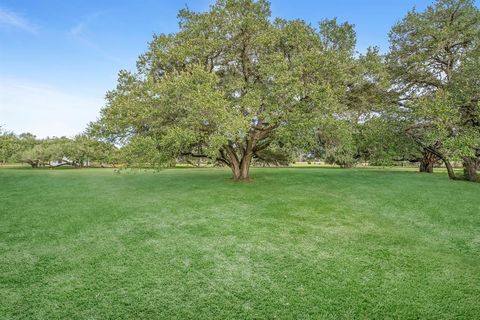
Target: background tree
<point>464,141</point>
<point>21,143</point>
<point>9,145</point>
<point>427,50</point>
<point>366,99</point>
<point>382,141</point>
<point>81,151</point>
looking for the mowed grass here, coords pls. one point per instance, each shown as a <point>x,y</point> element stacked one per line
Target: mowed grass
<point>191,244</point>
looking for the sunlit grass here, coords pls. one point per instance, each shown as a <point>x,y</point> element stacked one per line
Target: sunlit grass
<point>191,243</point>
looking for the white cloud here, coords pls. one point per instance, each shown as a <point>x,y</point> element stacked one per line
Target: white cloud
<point>77,32</point>
<point>44,110</point>
<point>77,29</point>
<point>12,19</point>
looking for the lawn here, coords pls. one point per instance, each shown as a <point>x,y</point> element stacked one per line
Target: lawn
<point>296,243</point>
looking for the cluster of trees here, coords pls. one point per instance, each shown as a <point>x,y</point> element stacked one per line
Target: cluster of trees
<point>234,86</point>
<point>80,151</point>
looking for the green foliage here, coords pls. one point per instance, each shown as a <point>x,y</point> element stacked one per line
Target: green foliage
<point>12,145</point>
<point>465,96</point>
<point>427,47</point>
<point>382,141</point>
<point>141,152</point>
<point>235,85</point>
<point>80,151</point>
<point>350,134</point>
<point>434,59</point>
<point>337,142</point>
<point>229,84</point>
<point>9,145</point>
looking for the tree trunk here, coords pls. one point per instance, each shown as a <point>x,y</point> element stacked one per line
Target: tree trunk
<point>238,155</point>
<point>241,169</point>
<point>451,173</point>
<point>448,165</point>
<point>470,169</point>
<point>245,168</point>
<point>427,162</point>
<point>239,162</point>
<point>34,163</point>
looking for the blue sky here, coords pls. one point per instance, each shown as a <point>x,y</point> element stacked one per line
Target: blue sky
<point>59,57</point>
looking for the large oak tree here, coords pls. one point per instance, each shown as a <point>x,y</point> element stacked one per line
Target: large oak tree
<point>229,85</point>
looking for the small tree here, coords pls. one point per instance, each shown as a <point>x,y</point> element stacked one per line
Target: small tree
<point>9,146</point>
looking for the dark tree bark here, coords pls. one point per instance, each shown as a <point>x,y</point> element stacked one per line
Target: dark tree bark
<point>239,164</point>
<point>434,150</point>
<point>245,168</point>
<point>239,155</point>
<point>427,161</point>
<point>33,163</point>
<point>470,169</point>
<point>448,165</point>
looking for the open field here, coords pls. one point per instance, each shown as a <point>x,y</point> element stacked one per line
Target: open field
<point>190,243</point>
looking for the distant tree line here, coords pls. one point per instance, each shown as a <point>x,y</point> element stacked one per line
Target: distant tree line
<point>80,151</point>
